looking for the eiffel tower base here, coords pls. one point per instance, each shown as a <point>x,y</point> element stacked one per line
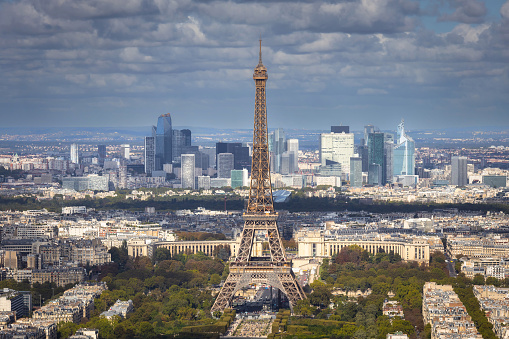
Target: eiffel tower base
<point>276,275</point>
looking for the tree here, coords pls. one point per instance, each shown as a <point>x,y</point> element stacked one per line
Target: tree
<point>320,296</point>
<point>215,279</point>
<point>161,254</point>
<point>65,330</point>
<point>478,279</point>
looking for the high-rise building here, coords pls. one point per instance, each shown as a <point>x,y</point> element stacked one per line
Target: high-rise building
<point>459,176</point>
<point>101,153</point>
<point>380,152</point>
<point>75,157</point>
<point>292,146</point>
<point>337,147</point>
<point>164,137</point>
<point>224,165</point>
<point>180,143</point>
<point>126,151</point>
<point>404,153</point>
<point>355,172</point>
<point>188,171</point>
<point>211,152</point>
<point>239,178</point>
<point>368,129</point>
<point>277,146</point>
<point>388,161</point>
<point>285,163</point>
<point>241,158</point>
<point>150,155</point>
<point>340,129</point>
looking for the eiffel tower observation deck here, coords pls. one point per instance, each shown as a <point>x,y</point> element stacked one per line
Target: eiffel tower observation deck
<point>260,216</point>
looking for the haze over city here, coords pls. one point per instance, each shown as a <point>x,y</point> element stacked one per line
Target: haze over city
<point>437,64</point>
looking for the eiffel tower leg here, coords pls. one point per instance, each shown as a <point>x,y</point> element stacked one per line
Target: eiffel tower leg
<point>291,288</point>
<point>226,294</point>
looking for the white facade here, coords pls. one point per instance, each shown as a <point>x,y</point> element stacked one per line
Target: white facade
<point>74,154</point>
<point>188,170</point>
<point>337,147</point>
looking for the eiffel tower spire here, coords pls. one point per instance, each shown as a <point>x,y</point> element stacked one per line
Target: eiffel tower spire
<point>260,192</point>
<point>260,217</point>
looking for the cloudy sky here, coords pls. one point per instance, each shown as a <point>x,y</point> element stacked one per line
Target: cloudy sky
<point>435,63</point>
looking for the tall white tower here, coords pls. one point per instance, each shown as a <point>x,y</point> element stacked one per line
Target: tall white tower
<point>75,158</point>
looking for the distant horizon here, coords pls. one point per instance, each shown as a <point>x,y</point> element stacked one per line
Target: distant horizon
<point>407,128</point>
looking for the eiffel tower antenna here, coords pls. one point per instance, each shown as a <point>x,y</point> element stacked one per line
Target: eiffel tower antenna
<point>260,216</point>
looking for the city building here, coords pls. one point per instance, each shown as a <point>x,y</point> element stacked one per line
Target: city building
<point>459,176</point>
<point>340,129</point>
<point>75,157</point>
<point>328,243</point>
<point>125,151</point>
<point>163,141</point>
<point>494,302</point>
<point>444,311</point>
<point>355,172</point>
<point>241,158</point>
<point>101,154</point>
<point>277,146</point>
<point>404,153</point>
<point>380,153</point>
<point>188,171</point>
<point>20,302</point>
<point>91,182</point>
<point>225,164</point>
<point>204,182</point>
<point>239,178</point>
<point>495,181</point>
<point>181,143</point>
<point>337,148</point>
<point>292,146</point>
<point>120,309</point>
<point>150,155</point>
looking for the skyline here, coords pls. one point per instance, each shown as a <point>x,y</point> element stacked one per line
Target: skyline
<point>437,64</point>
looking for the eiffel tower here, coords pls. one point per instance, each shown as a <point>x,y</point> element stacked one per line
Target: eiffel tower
<point>260,216</point>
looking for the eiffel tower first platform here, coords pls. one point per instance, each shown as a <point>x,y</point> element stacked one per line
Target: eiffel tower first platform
<point>260,216</point>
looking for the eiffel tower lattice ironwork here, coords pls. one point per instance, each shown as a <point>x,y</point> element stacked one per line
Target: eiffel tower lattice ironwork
<point>260,216</point>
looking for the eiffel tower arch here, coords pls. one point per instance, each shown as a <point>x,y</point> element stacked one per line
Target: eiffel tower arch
<point>260,216</point>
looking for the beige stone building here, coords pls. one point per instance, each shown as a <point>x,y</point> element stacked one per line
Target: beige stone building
<point>322,244</point>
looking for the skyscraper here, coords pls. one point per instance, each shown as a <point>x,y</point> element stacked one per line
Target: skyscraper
<point>101,153</point>
<point>75,157</point>
<point>181,140</point>
<point>292,146</point>
<point>224,165</point>
<point>338,148</point>
<point>404,153</point>
<point>150,155</point>
<point>241,158</point>
<point>188,171</point>
<point>355,172</point>
<point>164,137</point>
<point>367,130</point>
<point>340,129</point>
<point>380,153</point>
<point>459,176</point>
<point>277,146</point>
